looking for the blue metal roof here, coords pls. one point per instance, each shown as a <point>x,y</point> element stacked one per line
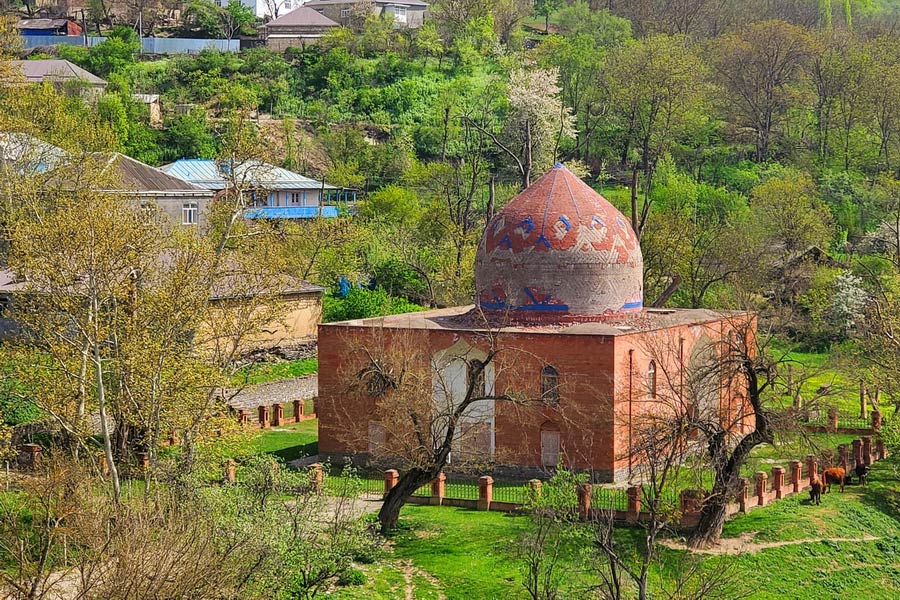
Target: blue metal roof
<point>210,174</point>
<point>290,212</point>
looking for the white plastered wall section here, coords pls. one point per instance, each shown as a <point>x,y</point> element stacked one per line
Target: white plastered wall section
<point>450,368</point>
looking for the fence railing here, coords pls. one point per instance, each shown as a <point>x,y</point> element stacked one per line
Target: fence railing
<point>630,504</point>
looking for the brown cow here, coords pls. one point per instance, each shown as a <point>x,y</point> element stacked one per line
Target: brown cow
<point>833,475</point>
<point>815,491</point>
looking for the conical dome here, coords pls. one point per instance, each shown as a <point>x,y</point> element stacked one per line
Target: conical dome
<point>559,251</point>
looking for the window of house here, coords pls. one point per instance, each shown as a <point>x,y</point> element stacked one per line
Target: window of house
<point>345,12</point>
<point>651,379</point>
<point>297,198</point>
<point>189,213</point>
<point>550,385</point>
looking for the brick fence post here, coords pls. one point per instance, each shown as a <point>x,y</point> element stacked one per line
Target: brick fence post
<point>812,468</point>
<point>243,416</point>
<point>143,460</point>
<point>690,501</point>
<point>298,411</point>
<point>533,490</point>
<point>263,417</point>
<point>743,493</point>
<point>391,477</point>
<point>832,419</point>
<point>437,489</point>
<point>761,478</point>
<point>778,482</point>
<point>317,477</point>
<point>584,491</point>
<point>277,414</point>
<point>842,457</point>
<point>796,475</point>
<point>857,452</point>
<point>867,449</point>
<point>876,420</point>
<point>634,503</point>
<point>32,454</point>
<point>879,449</point>
<point>230,471</point>
<point>485,492</point>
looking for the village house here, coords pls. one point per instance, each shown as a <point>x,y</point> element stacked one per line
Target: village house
<point>28,27</point>
<point>62,74</point>
<point>276,193</point>
<point>405,13</point>
<point>559,291</point>
<point>296,29</point>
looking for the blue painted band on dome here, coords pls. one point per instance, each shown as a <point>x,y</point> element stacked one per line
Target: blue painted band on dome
<point>637,304</point>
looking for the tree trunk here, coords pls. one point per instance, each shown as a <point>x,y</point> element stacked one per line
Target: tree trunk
<point>400,494</point>
<point>634,208</point>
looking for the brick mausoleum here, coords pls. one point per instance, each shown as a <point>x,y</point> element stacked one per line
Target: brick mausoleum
<point>559,284</point>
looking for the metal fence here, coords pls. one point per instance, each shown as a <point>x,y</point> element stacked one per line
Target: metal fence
<point>150,45</point>
<point>609,498</point>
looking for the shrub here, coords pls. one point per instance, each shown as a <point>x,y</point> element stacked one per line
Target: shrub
<point>352,576</point>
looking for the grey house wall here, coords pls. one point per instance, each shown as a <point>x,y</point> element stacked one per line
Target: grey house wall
<point>414,18</point>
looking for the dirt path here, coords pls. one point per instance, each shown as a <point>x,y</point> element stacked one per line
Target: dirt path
<point>744,544</point>
<point>409,572</point>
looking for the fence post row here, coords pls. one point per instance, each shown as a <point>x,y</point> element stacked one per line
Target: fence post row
<point>391,477</point>
<point>778,482</point>
<point>634,503</point>
<point>842,457</point>
<point>485,492</point>
<point>812,468</point>
<point>277,414</point>
<point>743,494</point>
<point>761,478</point>
<point>796,475</point>
<point>584,491</point>
<point>867,449</point>
<point>437,489</point>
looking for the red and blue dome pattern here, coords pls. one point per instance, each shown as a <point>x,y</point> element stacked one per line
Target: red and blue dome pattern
<point>559,250</point>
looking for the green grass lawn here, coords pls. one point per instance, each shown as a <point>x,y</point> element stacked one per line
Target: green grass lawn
<point>289,442</point>
<point>263,372</point>
<point>470,554</point>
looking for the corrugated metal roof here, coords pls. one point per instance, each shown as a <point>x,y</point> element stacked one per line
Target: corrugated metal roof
<point>36,71</point>
<point>210,174</point>
<point>140,177</point>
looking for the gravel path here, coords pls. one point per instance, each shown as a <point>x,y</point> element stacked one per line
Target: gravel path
<point>284,391</point>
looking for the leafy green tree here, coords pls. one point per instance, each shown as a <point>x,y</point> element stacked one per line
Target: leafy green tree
<point>428,42</point>
<point>757,69</point>
<point>658,83</point>
<point>790,214</point>
<point>202,18</point>
<point>236,19</point>
<point>546,8</point>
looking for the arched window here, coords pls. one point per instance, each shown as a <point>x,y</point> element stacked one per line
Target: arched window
<point>550,385</point>
<point>476,369</point>
<point>651,379</point>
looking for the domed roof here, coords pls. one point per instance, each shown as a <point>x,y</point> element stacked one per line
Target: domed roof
<point>559,251</point>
